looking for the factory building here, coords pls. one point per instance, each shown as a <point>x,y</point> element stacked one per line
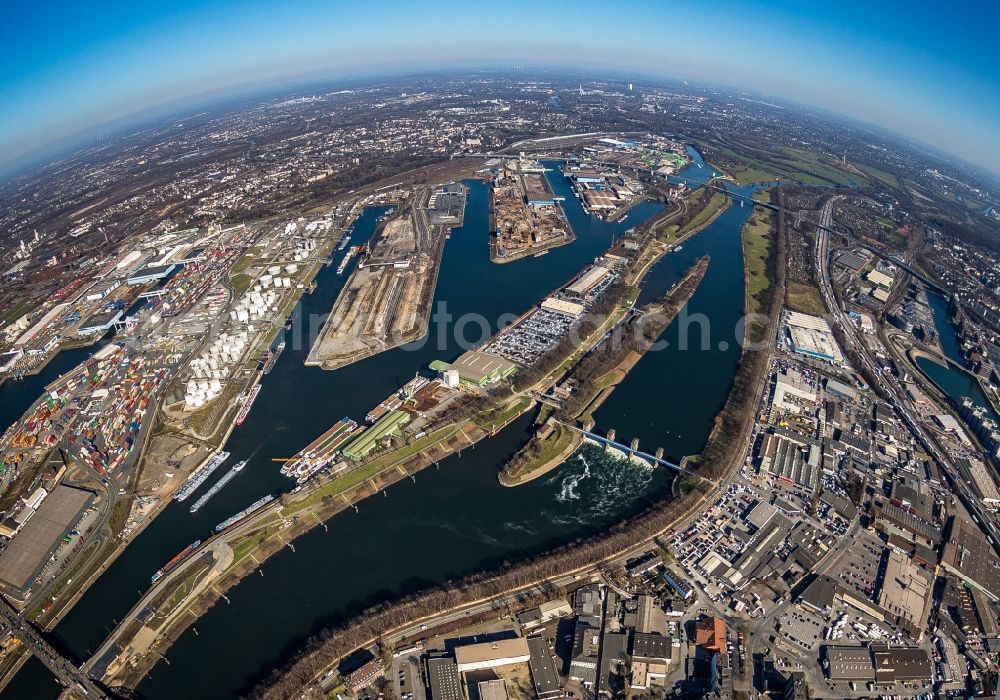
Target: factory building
<point>879,279</point>
<point>103,289</point>
<point>40,532</point>
<point>878,663</point>
<point>442,672</point>
<point>477,369</point>
<point>502,652</point>
<point>100,322</point>
<point>811,336</point>
<point>151,274</point>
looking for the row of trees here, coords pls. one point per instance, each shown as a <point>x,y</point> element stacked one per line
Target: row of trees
<point>733,423</point>
<point>634,335</point>
<point>295,678</point>
<point>533,576</point>
<point>695,204</point>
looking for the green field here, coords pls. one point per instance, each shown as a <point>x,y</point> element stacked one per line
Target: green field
<point>756,246</point>
<point>241,282</point>
<point>715,203</point>
<point>805,298</point>
<point>755,165</point>
<point>493,420</point>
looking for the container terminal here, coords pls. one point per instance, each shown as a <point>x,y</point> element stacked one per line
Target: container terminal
<point>218,485</point>
<point>200,476</point>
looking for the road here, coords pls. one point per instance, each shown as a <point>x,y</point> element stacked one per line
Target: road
<point>888,385</point>
<point>67,674</point>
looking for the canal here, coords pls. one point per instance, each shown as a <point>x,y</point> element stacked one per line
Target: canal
<point>450,521</point>
<point>956,383</point>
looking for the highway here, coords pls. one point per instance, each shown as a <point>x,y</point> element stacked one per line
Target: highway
<point>889,386</point>
<point>67,674</point>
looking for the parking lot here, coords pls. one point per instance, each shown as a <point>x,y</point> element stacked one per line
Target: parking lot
<point>526,342</point>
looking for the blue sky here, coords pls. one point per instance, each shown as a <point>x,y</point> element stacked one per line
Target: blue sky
<point>926,70</point>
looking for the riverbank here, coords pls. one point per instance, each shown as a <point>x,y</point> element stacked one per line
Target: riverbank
<point>474,522</point>
<point>387,299</point>
<point>669,240</point>
<point>321,500</point>
<point>594,380</point>
<point>722,456</point>
<point>531,252</point>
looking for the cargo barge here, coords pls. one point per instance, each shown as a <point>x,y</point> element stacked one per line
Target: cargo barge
<point>172,564</point>
<point>232,520</point>
<point>347,259</point>
<point>217,486</point>
<point>272,356</point>
<point>396,399</point>
<point>199,477</point>
<point>321,451</point>
<point>247,403</point>
<point>344,241</point>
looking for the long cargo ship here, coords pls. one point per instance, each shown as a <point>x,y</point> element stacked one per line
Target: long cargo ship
<point>347,259</point>
<point>199,477</point>
<point>172,564</point>
<point>272,357</point>
<point>217,486</point>
<point>232,520</point>
<point>344,241</point>
<point>247,403</point>
<point>321,451</point>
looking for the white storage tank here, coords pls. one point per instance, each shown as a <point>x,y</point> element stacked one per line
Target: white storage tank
<point>291,268</point>
<point>286,282</point>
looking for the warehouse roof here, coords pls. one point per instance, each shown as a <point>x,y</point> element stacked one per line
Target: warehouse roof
<point>492,651</point>
<point>24,557</point>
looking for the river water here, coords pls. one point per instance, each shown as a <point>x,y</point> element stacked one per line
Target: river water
<point>954,382</point>
<point>450,521</point>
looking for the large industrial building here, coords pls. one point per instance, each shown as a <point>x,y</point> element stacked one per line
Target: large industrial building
<point>478,369</point>
<point>100,322</point>
<point>968,555</point>
<point>151,274</point>
<point>811,336</point>
<point>442,673</point>
<point>24,557</point>
<point>878,663</point>
<point>905,595</point>
<point>501,652</point>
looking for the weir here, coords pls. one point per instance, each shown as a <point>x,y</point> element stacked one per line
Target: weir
<point>627,449</point>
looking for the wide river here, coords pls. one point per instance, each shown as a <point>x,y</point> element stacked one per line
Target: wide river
<point>450,521</point>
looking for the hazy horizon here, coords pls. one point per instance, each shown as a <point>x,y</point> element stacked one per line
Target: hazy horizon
<point>898,68</point>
